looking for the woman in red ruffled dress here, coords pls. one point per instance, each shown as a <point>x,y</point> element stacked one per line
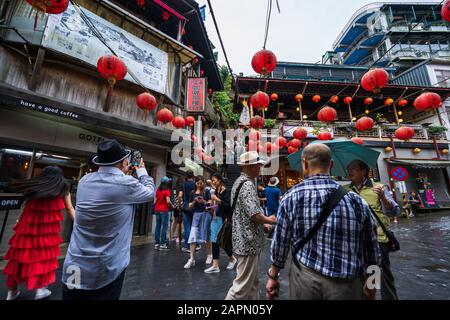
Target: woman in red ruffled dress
<point>34,247</point>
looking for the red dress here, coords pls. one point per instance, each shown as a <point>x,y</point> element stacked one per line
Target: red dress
<point>34,248</point>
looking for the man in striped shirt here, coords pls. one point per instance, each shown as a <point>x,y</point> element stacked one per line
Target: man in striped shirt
<point>333,264</point>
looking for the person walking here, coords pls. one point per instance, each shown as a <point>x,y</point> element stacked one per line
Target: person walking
<point>162,208</point>
<point>177,213</point>
<point>222,211</point>
<point>99,248</point>
<point>183,198</point>
<point>34,248</point>
<point>383,205</point>
<point>201,222</point>
<point>273,196</point>
<point>331,232</point>
<point>248,231</point>
<point>211,189</point>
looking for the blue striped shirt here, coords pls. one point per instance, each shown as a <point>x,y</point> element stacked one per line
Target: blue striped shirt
<point>345,245</point>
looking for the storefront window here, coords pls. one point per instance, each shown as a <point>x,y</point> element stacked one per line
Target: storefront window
<point>14,164</point>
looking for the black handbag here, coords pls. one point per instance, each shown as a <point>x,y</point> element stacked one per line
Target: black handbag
<point>225,235</point>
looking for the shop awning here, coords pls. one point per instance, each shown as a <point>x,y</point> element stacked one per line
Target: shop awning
<point>423,164</point>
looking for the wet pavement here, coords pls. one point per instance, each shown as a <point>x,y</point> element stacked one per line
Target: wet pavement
<point>421,268</point>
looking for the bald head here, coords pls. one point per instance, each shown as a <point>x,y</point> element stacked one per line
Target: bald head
<point>317,156</point>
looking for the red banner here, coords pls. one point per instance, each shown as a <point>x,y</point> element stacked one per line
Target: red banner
<point>196,95</point>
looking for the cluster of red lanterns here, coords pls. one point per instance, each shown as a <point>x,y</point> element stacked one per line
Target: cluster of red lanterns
<point>264,62</point>
<point>374,80</point>
<point>364,124</point>
<point>260,100</point>
<point>257,122</point>
<point>404,133</point>
<point>327,114</point>
<point>428,100</point>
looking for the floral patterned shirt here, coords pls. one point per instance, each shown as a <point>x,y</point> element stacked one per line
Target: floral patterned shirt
<point>248,236</point>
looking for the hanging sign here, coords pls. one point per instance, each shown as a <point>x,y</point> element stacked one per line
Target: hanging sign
<point>196,95</point>
<point>399,174</point>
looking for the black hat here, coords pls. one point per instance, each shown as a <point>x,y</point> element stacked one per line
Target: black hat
<point>110,152</point>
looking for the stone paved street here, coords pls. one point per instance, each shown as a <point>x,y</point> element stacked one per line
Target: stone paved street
<point>421,268</point>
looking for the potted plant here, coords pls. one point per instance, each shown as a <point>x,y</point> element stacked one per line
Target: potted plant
<point>379,119</point>
<point>269,124</point>
<point>436,130</point>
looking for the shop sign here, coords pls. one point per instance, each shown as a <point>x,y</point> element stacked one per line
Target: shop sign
<point>196,95</point>
<point>10,202</point>
<point>399,174</point>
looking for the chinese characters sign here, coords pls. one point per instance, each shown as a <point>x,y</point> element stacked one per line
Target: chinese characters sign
<point>196,95</point>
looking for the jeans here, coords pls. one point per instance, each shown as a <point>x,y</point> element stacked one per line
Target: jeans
<point>162,222</point>
<point>388,291</point>
<point>187,221</point>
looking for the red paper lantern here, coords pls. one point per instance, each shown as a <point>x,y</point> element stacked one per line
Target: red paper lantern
<point>402,103</point>
<point>374,80</point>
<point>445,11</point>
<point>48,6</point>
<point>140,3</point>
<point>260,100</point>
<point>298,97</point>
<point>254,135</point>
<point>146,101</point>
<point>316,98</point>
<point>295,143</point>
<point>428,100</point>
<point>292,150</point>
<point>300,133</point>
<point>189,120</point>
<point>364,124</point>
<point>274,96</point>
<point>357,140</point>
<point>164,115</point>
<point>112,68</point>
<point>178,122</point>
<point>281,142</point>
<point>264,62</point>
<point>327,114</point>
<point>348,100</point>
<point>404,133</point>
<point>257,122</point>
<point>388,101</point>
<point>324,135</point>
<point>165,16</point>
<point>334,99</point>
<point>368,101</point>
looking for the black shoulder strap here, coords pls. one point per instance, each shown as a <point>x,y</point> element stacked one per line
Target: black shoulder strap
<point>328,207</point>
<point>238,190</point>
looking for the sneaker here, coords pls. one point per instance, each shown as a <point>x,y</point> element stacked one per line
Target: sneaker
<point>231,264</point>
<point>189,264</point>
<point>42,293</point>
<point>156,246</point>
<point>209,259</point>
<point>13,294</point>
<point>163,247</point>
<point>212,270</point>
<point>185,250</point>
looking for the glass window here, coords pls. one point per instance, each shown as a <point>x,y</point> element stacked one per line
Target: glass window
<point>14,164</point>
<point>443,78</point>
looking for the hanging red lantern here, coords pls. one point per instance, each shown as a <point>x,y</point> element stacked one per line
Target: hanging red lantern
<point>140,3</point>
<point>281,142</point>
<point>264,62</point>
<point>445,11</point>
<point>428,100</point>
<point>292,150</point>
<point>327,114</point>
<point>404,133</point>
<point>324,135</point>
<point>48,6</point>
<point>388,102</point>
<point>189,121</point>
<point>260,100</point>
<point>334,99</point>
<point>257,122</point>
<point>274,97</point>
<point>357,140</point>
<point>299,97</point>
<point>316,98</point>
<point>300,133</point>
<point>178,122</point>
<point>295,143</point>
<point>146,101</point>
<point>402,103</point>
<point>164,115</point>
<point>368,101</point>
<point>374,80</point>
<point>364,124</point>
<point>165,16</point>
<point>112,68</point>
<point>348,100</point>
<point>254,135</point>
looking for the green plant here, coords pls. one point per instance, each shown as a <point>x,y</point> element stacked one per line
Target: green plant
<point>269,124</point>
<point>317,128</point>
<point>223,102</point>
<point>436,130</point>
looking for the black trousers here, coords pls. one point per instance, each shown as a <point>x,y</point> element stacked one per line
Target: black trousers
<point>109,292</point>
<point>388,291</point>
<point>216,251</point>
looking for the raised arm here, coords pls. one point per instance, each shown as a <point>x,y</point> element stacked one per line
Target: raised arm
<point>69,207</point>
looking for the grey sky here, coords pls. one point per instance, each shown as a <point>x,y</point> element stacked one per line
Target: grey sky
<point>302,32</point>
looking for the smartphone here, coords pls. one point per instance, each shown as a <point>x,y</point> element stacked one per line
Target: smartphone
<point>136,157</point>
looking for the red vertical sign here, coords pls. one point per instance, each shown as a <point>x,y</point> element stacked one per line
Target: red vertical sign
<point>196,95</point>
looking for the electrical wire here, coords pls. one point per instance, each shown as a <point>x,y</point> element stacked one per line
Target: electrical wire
<point>269,13</point>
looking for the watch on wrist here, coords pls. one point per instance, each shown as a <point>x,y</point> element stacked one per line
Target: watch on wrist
<point>271,276</point>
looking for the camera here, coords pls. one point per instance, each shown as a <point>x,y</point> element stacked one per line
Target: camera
<point>136,157</point>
